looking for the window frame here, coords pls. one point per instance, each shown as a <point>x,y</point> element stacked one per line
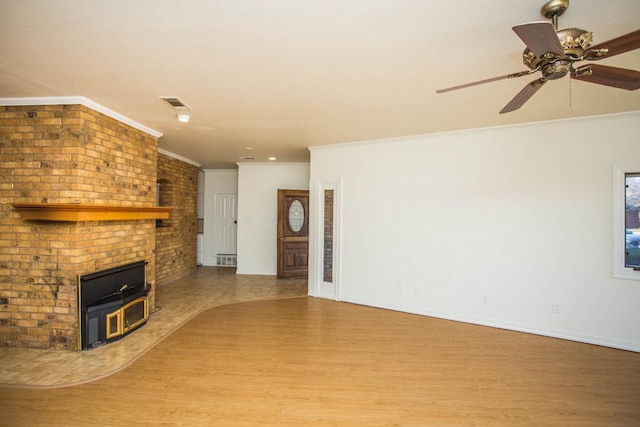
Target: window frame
<point>619,222</point>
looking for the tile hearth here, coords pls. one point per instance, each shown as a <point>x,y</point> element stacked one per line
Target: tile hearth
<point>176,303</point>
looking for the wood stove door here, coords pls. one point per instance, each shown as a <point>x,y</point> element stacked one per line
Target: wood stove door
<point>135,314</point>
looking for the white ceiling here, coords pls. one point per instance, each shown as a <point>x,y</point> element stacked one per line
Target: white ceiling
<point>283,75</point>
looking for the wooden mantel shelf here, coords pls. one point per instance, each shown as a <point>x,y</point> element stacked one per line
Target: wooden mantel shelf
<point>82,212</point>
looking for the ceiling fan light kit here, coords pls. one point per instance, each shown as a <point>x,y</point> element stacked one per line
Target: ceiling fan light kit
<point>554,53</point>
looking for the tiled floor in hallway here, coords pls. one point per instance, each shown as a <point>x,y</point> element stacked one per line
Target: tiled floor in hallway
<point>176,302</point>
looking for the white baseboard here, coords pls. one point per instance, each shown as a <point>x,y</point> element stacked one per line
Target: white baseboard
<point>553,333</point>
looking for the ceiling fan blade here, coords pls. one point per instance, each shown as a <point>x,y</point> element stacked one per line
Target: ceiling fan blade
<point>540,37</point>
<point>493,79</point>
<point>615,46</point>
<point>524,95</point>
<point>621,78</point>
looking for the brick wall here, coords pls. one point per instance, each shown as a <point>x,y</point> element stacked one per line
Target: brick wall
<point>66,154</point>
<point>176,238</point>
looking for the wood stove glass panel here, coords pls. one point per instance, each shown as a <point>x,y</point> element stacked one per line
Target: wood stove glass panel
<point>135,313</point>
<point>114,324</point>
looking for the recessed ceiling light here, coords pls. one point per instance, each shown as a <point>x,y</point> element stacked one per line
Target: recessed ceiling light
<point>184,118</point>
<point>272,158</point>
<point>249,148</point>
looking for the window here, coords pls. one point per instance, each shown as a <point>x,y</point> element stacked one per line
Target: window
<point>632,220</point>
<point>626,222</point>
<point>327,275</point>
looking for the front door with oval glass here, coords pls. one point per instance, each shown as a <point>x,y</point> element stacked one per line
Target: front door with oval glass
<point>293,233</point>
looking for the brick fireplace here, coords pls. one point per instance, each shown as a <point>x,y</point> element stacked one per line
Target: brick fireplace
<point>67,154</point>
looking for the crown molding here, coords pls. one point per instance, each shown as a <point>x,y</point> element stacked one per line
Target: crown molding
<point>274,164</point>
<point>178,157</point>
<point>420,137</point>
<point>78,100</point>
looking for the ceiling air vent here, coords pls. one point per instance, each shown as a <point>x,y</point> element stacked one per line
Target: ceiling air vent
<point>175,102</point>
<point>247,158</point>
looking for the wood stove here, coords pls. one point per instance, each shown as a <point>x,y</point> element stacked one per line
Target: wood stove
<point>112,303</point>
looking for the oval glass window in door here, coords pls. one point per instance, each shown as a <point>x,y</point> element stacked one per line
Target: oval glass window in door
<point>296,216</point>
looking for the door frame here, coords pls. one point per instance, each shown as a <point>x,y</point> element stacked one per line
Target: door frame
<point>317,286</point>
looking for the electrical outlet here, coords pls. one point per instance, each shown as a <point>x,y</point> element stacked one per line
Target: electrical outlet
<point>399,289</point>
<point>485,299</point>
<point>555,308</point>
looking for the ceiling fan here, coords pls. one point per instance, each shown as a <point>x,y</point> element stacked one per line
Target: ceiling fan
<point>554,53</point>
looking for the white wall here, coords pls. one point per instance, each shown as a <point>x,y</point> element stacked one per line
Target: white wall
<point>521,215</point>
<point>215,181</point>
<point>258,185</point>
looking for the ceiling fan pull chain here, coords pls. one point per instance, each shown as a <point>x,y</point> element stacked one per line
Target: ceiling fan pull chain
<point>570,92</point>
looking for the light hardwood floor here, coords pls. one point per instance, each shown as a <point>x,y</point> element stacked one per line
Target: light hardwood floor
<point>176,303</point>
<point>307,361</point>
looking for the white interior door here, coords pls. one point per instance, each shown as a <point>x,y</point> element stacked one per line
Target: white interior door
<point>225,220</point>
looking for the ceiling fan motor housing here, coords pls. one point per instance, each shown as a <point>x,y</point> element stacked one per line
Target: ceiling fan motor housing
<point>556,70</point>
<point>574,41</point>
